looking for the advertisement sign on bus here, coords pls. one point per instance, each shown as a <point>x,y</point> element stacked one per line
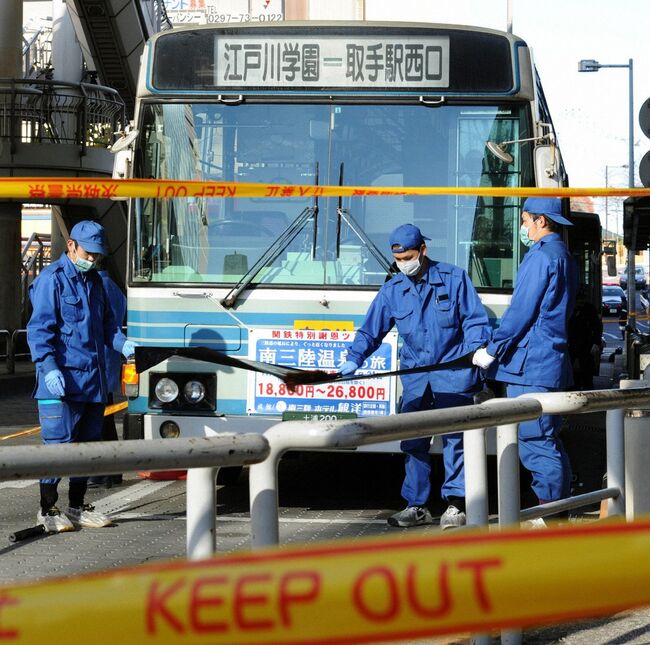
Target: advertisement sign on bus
<point>319,350</point>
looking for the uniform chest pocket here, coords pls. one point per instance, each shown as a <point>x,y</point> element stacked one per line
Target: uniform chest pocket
<point>443,311</point>
<point>72,309</point>
<point>405,321</point>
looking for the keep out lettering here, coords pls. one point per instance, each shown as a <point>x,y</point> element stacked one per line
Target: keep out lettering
<point>378,594</point>
<point>8,631</point>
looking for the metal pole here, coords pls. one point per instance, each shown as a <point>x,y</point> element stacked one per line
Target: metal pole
<point>637,451</point>
<point>476,492</point>
<point>201,513</point>
<point>606,200</point>
<point>615,460</point>
<point>508,475</point>
<point>476,498</point>
<point>631,124</point>
<point>631,271</point>
<point>631,293</point>
<point>263,491</point>
<point>509,502</point>
<point>106,457</point>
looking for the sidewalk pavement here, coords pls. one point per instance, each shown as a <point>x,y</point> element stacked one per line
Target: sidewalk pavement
<point>143,536</point>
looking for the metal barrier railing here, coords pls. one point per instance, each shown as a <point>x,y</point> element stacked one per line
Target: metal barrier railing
<point>6,335</point>
<point>263,452</point>
<point>290,435</point>
<point>202,456</point>
<point>12,344</point>
<point>474,420</point>
<point>505,414</point>
<point>46,111</point>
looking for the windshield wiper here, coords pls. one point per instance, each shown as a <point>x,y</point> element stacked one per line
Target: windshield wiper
<point>272,253</point>
<point>315,231</point>
<point>345,215</point>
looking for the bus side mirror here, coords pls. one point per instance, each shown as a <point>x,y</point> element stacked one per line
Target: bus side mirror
<point>547,166</point>
<point>122,150</point>
<point>122,167</point>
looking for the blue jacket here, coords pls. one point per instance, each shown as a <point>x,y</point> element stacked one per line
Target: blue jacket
<point>531,343</point>
<point>70,326</point>
<point>117,301</point>
<point>439,319</point>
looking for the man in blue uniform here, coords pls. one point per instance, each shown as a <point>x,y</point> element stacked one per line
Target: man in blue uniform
<point>440,318</point>
<point>68,331</point>
<point>530,347</point>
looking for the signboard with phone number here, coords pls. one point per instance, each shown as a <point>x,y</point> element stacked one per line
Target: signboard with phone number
<point>324,350</point>
<point>200,12</point>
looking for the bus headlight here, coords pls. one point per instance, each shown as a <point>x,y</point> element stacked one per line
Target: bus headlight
<point>166,390</point>
<point>194,391</point>
<point>183,392</point>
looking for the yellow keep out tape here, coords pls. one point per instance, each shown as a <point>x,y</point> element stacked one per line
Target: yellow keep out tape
<point>49,188</point>
<point>110,409</point>
<point>368,590</point>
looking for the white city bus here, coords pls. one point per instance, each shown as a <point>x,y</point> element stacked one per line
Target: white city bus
<point>287,278</point>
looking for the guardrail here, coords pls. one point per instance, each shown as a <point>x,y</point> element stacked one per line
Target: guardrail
<point>503,413</point>
<point>201,456</point>
<point>305,435</point>
<point>474,420</point>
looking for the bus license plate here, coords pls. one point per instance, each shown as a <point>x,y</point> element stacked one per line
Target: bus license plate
<point>294,415</point>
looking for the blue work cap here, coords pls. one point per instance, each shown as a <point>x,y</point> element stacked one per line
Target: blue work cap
<point>90,236</point>
<point>550,207</point>
<point>405,238</point>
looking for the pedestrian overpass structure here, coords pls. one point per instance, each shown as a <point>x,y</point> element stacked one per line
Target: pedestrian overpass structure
<point>51,125</point>
<point>112,34</point>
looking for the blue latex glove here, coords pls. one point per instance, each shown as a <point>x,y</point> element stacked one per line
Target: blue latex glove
<point>55,383</point>
<point>349,367</point>
<point>128,349</point>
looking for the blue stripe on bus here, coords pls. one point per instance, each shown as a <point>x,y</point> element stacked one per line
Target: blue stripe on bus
<point>220,334</point>
<point>207,323</point>
<point>218,318</point>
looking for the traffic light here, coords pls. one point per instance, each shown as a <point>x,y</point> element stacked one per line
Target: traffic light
<point>636,210</point>
<point>644,123</point>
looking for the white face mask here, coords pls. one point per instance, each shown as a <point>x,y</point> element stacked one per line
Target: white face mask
<point>524,236</point>
<point>409,267</point>
<point>83,265</point>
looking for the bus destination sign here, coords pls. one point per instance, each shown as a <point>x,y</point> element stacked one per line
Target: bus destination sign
<point>331,61</point>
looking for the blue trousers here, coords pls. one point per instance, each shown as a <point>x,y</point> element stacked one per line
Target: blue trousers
<point>417,464</point>
<point>541,450</point>
<point>69,422</point>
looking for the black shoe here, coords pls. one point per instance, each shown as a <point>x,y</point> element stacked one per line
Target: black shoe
<point>116,480</point>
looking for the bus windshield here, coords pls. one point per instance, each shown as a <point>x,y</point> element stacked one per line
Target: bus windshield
<point>220,240</point>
